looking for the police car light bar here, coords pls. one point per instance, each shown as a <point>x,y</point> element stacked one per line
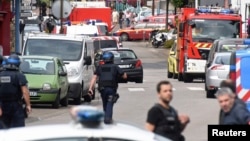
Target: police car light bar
<point>205,9</point>
<point>89,116</point>
<point>246,42</point>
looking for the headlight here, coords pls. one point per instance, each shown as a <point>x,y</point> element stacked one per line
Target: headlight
<point>46,86</point>
<point>73,71</point>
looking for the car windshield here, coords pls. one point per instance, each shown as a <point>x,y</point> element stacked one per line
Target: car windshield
<point>230,48</point>
<point>37,66</point>
<point>100,44</point>
<point>215,29</point>
<point>67,50</point>
<point>223,59</point>
<point>124,54</point>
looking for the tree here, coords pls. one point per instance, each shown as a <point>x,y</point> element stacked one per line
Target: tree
<point>177,3</point>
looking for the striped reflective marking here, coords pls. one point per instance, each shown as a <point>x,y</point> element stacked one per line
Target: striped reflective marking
<point>203,45</point>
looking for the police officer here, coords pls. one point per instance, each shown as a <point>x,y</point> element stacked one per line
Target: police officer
<point>108,75</point>
<point>13,87</point>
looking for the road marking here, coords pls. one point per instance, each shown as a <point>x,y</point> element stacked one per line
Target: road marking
<point>195,88</point>
<point>153,50</point>
<point>136,89</point>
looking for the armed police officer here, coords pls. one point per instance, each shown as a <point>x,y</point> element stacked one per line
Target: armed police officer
<point>13,89</point>
<point>108,75</point>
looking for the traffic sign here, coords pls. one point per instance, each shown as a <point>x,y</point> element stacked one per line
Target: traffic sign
<point>26,1</point>
<point>26,7</point>
<point>26,14</point>
<point>33,1</point>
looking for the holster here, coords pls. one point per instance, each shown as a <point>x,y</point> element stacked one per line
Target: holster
<point>22,103</point>
<point>115,98</point>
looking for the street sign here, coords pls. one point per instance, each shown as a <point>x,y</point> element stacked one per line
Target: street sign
<point>26,14</point>
<point>33,1</point>
<point>26,1</point>
<point>26,7</point>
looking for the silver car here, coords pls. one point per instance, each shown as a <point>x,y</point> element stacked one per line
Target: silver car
<point>217,71</point>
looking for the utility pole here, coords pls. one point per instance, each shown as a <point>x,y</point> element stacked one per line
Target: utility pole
<point>167,6</point>
<point>17,30</point>
<point>153,7</point>
<point>61,17</point>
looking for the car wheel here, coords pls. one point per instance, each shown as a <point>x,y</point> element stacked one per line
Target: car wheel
<point>64,102</point>
<point>78,100</point>
<point>180,77</point>
<point>56,103</point>
<point>187,78</point>
<point>124,37</point>
<point>139,80</point>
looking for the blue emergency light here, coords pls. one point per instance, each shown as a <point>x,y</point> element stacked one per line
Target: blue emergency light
<point>90,117</point>
<point>93,21</point>
<point>246,42</point>
<point>211,10</point>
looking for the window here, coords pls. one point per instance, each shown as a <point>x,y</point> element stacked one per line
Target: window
<point>124,54</point>
<point>37,66</point>
<point>140,26</point>
<point>85,50</point>
<point>67,50</point>
<point>66,139</point>
<point>230,48</point>
<point>60,67</point>
<point>223,60</point>
<point>115,139</point>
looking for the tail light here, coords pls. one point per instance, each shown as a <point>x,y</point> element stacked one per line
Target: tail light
<point>232,75</point>
<point>218,67</point>
<point>101,62</point>
<point>138,64</point>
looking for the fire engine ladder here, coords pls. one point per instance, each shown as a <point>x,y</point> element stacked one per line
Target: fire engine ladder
<point>247,15</point>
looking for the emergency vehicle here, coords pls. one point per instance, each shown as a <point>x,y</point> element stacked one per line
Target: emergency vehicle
<point>83,11</point>
<point>239,72</point>
<point>197,30</point>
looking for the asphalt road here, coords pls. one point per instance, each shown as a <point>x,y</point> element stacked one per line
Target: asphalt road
<point>136,99</point>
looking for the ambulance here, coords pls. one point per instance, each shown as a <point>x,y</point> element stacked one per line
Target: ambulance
<point>239,72</point>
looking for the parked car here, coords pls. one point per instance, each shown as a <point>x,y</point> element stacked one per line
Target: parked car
<point>86,125</point>
<point>217,71</point>
<point>47,77</point>
<point>225,45</point>
<point>139,31</point>
<point>127,60</point>
<point>172,61</point>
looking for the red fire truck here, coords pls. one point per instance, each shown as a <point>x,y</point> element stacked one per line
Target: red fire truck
<point>197,30</point>
<point>84,12</point>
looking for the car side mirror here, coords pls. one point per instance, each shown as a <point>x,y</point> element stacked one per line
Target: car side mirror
<point>172,53</point>
<point>62,74</point>
<point>87,60</point>
<point>208,64</point>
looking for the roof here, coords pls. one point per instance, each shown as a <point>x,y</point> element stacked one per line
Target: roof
<point>231,40</point>
<point>116,130</point>
<point>222,53</point>
<point>216,16</point>
<point>56,36</point>
<point>111,49</point>
<point>38,57</point>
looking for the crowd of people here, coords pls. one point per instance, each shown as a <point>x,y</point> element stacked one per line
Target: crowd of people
<point>123,18</point>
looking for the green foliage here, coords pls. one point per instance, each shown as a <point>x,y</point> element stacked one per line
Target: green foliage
<point>177,3</point>
<point>168,43</point>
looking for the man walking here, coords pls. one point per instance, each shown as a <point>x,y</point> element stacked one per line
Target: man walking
<point>108,75</point>
<point>162,118</point>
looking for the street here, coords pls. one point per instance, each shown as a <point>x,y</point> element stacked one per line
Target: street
<point>136,99</point>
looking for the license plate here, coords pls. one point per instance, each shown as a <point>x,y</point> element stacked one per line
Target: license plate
<point>33,93</point>
<point>124,66</point>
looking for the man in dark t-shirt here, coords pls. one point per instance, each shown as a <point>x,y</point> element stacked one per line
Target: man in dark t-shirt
<point>162,118</point>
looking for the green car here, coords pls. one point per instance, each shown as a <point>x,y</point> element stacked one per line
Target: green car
<point>47,80</point>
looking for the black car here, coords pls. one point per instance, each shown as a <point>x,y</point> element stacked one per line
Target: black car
<point>127,60</point>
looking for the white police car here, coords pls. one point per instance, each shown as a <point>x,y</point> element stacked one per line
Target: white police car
<point>87,126</point>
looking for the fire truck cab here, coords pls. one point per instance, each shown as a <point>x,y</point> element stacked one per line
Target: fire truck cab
<point>197,30</point>
<point>239,72</point>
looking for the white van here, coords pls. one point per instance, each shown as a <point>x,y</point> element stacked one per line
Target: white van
<point>76,52</point>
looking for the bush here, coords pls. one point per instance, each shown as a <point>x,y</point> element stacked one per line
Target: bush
<point>168,43</point>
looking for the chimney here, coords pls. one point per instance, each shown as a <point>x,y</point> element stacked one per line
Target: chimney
<point>226,3</point>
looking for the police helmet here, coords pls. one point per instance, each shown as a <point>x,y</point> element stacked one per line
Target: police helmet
<point>108,57</point>
<point>13,62</point>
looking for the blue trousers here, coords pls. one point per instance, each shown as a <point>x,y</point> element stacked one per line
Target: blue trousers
<point>107,99</point>
<point>13,115</point>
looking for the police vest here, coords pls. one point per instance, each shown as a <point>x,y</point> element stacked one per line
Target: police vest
<point>10,89</point>
<point>108,76</point>
<point>170,126</point>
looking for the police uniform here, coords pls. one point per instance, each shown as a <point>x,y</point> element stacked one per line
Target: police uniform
<point>108,75</point>
<point>11,81</point>
<point>166,122</point>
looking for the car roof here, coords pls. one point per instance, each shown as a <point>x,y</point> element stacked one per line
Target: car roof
<point>230,40</point>
<point>56,36</point>
<point>114,49</point>
<point>115,130</point>
<point>38,57</point>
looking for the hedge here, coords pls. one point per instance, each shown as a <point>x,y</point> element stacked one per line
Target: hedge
<point>168,43</point>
